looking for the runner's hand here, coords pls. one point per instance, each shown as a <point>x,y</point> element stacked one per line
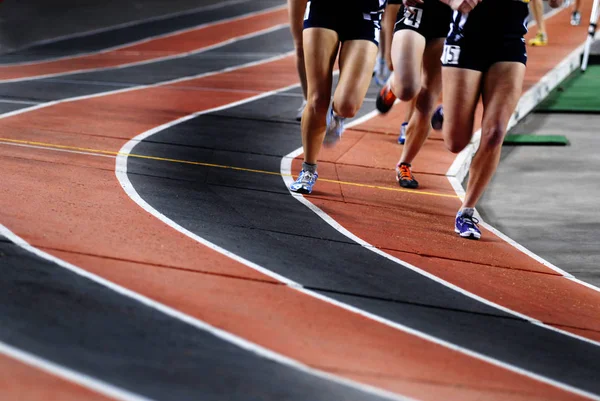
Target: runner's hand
<point>555,3</point>
<point>463,6</point>
<point>412,3</point>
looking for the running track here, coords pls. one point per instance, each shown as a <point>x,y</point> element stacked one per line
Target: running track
<point>220,281</point>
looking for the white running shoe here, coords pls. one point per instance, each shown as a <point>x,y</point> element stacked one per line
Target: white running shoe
<point>301,110</point>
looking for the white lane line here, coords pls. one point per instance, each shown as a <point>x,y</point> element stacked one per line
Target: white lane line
<point>192,321</point>
<point>457,172</point>
<point>13,101</point>
<point>122,161</point>
<point>141,87</point>
<point>68,374</point>
<point>121,173</point>
<point>166,309</point>
<point>149,61</point>
<point>145,40</point>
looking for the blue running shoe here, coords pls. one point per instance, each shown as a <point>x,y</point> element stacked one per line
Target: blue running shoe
<point>305,182</point>
<point>437,120</point>
<point>402,137</point>
<point>335,129</point>
<point>466,226</point>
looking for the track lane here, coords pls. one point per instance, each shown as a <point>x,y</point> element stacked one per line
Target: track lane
<point>219,57</point>
<point>545,294</point>
<point>255,216</point>
<point>96,331</point>
<point>150,50</point>
<point>16,380</point>
<point>99,189</point>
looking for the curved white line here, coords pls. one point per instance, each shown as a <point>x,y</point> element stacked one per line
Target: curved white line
<point>171,312</point>
<point>67,374</point>
<point>121,173</point>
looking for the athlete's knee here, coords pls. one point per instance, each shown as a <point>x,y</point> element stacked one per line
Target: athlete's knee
<point>319,102</point>
<point>455,140</point>
<point>492,135</point>
<point>405,89</point>
<point>347,108</point>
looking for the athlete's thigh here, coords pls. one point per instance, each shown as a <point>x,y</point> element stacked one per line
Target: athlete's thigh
<point>357,59</point>
<point>407,57</point>
<point>502,87</point>
<point>320,51</point>
<point>461,88</point>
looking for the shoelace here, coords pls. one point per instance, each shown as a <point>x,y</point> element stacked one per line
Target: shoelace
<point>470,221</point>
<point>307,177</point>
<point>405,173</point>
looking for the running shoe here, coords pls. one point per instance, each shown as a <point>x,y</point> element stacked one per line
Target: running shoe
<point>382,72</point>
<point>335,128</point>
<point>466,226</point>
<point>301,110</point>
<point>404,176</point>
<point>437,119</point>
<point>385,99</point>
<point>576,18</point>
<point>305,182</point>
<point>402,137</point>
<point>541,39</point>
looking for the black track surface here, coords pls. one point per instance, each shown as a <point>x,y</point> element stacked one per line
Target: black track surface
<point>254,215</point>
<point>95,331</point>
<point>43,90</point>
<point>120,36</point>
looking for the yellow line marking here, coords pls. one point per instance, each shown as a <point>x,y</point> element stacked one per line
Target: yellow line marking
<point>193,163</point>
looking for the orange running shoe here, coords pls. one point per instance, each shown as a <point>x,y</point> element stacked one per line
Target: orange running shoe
<point>385,99</point>
<point>404,176</point>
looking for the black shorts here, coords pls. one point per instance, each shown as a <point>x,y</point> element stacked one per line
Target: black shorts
<point>487,36</point>
<point>431,20</point>
<point>348,20</point>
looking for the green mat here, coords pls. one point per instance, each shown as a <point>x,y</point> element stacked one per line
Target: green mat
<point>580,93</point>
<point>535,140</point>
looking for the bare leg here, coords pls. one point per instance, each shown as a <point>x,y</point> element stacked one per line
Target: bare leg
<point>296,9</point>
<point>419,124</point>
<point>320,50</point>
<point>577,5</point>
<point>537,8</point>
<point>461,88</point>
<point>502,88</point>
<point>407,56</point>
<point>389,20</point>
<point>357,58</point>
<point>410,110</point>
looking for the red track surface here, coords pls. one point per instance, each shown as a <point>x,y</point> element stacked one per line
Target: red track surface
<point>20,382</point>
<point>72,206</point>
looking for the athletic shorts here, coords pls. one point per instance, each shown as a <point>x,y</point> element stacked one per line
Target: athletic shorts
<point>348,19</point>
<point>487,35</point>
<point>431,19</point>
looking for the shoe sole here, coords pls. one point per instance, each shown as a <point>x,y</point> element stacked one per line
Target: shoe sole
<point>408,186</point>
<point>382,107</point>
<point>301,191</point>
<point>468,236</point>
